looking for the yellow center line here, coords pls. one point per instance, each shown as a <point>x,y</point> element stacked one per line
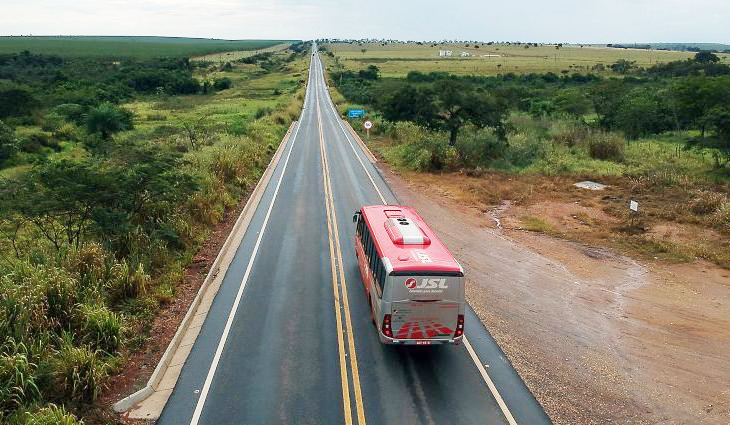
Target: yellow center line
<point>340,339</point>
<point>332,216</point>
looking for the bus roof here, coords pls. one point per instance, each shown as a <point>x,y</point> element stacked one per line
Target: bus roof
<point>405,240</point>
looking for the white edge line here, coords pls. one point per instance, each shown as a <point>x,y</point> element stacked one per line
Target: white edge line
<point>474,357</point>
<point>492,388</point>
<point>221,344</point>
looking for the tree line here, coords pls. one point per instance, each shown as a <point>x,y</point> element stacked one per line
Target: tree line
<point>682,95</point>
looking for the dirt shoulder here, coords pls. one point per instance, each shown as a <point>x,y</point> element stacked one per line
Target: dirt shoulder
<point>597,336</point>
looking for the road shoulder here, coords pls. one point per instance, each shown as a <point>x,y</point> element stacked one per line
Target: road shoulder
<point>596,336</point>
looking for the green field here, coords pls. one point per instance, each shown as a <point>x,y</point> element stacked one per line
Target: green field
<point>397,59</point>
<point>132,47</point>
<point>230,56</point>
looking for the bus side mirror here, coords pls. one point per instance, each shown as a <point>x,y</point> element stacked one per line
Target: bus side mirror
<point>354,218</point>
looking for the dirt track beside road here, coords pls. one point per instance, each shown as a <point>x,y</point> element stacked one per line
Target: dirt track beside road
<point>597,337</point>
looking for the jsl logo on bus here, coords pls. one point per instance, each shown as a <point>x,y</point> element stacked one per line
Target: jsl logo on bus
<point>426,283</point>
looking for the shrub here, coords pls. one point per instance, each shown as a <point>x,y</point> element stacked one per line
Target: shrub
<point>262,112</point>
<point>101,328</point>
<point>17,382</point>
<point>721,217</point>
<point>78,372</point>
<point>606,146</point>
<point>480,147</point>
<point>568,133</point>
<point>71,112</point>
<point>23,308</point>
<point>406,132</point>
<point>222,83</point>
<point>8,142</point>
<point>48,415</point>
<point>67,132</point>
<point>706,202</point>
<point>431,153</point>
<point>89,262</point>
<point>123,283</point>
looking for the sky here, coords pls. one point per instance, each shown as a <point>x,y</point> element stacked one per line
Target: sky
<point>567,21</point>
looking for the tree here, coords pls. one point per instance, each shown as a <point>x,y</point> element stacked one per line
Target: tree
<point>196,128</point>
<point>8,143</point>
<point>15,100</point>
<point>447,106</point>
<point>372,72</point>
<point>718,121</point>
<point>623,66</point>
<point>706,57</point>
<point>693,98</point>
<point>643,112</point>
<point>107,119</point>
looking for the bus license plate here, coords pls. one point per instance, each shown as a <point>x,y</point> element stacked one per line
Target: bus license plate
<point>423,342</point>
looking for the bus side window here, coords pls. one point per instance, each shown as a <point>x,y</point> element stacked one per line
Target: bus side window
<point>381,275</point>
<point>373,257</point>
<point>366,243</point>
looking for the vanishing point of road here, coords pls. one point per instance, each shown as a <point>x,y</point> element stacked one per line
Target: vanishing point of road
<point>288,339</point>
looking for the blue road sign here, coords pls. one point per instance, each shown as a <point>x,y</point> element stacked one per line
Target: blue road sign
<point>355,113</point>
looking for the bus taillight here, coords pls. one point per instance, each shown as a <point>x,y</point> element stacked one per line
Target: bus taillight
<point>459,326</point>
<point>387,331</point>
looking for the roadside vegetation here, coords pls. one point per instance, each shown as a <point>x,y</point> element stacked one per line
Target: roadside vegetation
<point>659,135</point>
<point>112,174</point>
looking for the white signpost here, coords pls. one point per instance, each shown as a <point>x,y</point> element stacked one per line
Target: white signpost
<point>368,125</point>
<point>633,211</point>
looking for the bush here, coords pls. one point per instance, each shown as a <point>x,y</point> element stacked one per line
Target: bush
<point>8,142</point>
<point>48,415</point>
<point>262,112</point>
<point>17,382</point>
<point>222,83</point>
<point>568,133</point>
<point>123,284</point>
<point>606,146</point>
<point>431,153</point>
<point>101,328</point>
<point>66,132</point>
<point>406,132</point>
<point>479,147</point>
<point>721,217</point>
<point>78,372</point>
<point>706,202</point>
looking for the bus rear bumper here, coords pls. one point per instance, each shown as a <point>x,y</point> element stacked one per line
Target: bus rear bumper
<point>393,341</point>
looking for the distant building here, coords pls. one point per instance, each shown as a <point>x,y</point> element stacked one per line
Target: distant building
<point>465,54</point>
<point>443,53</point>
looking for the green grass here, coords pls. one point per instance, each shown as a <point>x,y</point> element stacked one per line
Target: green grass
<point>536,224</point>
<point>229,56</point>
<point>132,47</point>
<point>396,60</point>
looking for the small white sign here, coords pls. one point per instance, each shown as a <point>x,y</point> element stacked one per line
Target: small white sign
<point>634,206</point>
<point>368,125</point>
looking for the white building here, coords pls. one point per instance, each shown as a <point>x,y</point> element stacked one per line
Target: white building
<point>465,54</point>
<point>443,53</point>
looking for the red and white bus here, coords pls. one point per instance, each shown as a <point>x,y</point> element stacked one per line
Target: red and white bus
<point>414,285</point>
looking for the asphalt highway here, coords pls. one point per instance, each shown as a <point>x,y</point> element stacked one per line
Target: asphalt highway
<point>288,338</point>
